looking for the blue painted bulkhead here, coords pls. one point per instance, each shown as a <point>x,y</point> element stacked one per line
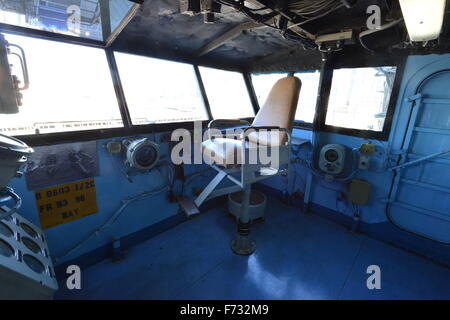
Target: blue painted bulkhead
<point>325,197</point>
<point>154,214</point>
<point>140,219</point>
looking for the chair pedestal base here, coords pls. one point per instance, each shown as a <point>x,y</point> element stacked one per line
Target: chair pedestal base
<point>243,245</point>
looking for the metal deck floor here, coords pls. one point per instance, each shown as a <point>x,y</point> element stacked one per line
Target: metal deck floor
<point>298,256</point>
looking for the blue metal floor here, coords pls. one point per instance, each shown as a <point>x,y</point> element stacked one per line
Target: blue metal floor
<point>298,257</point>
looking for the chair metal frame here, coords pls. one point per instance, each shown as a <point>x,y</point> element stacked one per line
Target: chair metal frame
<point>242,244</point>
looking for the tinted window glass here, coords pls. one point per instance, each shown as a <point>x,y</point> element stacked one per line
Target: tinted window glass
<point>359,97</point>
<point>227,94</point>
<point>70,89</point>
<point>160,91</point>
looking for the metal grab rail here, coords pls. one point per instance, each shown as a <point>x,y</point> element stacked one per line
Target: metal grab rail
<point>413,162</point>
<point>9,192</point>
<point>23,63</point>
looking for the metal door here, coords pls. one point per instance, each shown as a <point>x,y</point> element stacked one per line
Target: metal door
<point>420,194</point>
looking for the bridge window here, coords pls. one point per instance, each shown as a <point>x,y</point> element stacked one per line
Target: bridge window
<point>227,94</point>
<point>70,89</point>
<point>359,98</point>
<point>307,100</point>
<point>89,19</point>
<point>262,83</point>
<point>160,91</point>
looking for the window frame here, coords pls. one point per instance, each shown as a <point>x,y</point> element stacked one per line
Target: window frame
<point>298,124</point>
<point>61,37</point>
<point>248,87</point>
<point>125,111</point>
<point>66,136</point>
<point>252,87</point>
<point>303,125</point>
<point>128,128</point>
<point>337,61</point>
<point>340,61</point>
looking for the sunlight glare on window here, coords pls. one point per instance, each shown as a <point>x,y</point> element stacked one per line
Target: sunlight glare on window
<point>306,107</point>
<point>70,89</point>
<point>227,94</point>
<point>160,91</point>
<point>359,97</point>
<point>77,18</point>
<point>263,83</point>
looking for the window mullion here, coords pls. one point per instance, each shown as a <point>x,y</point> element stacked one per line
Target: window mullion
<point>125,113</point>
<point>251,92</point>
<point>203,92</point>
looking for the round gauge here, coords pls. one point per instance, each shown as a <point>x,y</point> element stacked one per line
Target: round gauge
<point>331,155</point>
<point>29,230</point>
<point>146,155</point>
<point>33,263</point>
<point>5,249</point>
<point>142,154</point>
<point>30,244</point>
<point>5,230</point>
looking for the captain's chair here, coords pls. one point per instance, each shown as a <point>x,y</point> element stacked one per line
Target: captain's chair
<point>257,152</point>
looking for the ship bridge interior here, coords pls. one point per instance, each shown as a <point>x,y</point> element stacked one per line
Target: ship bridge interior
<point>225,149</point>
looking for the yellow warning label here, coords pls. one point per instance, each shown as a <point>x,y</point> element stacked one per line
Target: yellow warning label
<point>66,203</point>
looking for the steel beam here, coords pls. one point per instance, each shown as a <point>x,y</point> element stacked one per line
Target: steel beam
<point>228,35</point>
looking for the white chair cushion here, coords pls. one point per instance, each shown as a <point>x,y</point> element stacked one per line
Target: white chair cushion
<point>222,151</point>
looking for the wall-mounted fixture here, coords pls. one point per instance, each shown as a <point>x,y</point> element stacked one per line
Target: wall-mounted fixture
<point>334,41</point>
<point>332,159</point>
<point>189,7</point>
<point>141,153</point>
<point>359,192</point>
<point>207,7</point>
<point>10,95</point>
<point>26,268</point>
<point>114,147</point>
<point>13,155</point>
<point>423,18</point>
<point>365,151</point>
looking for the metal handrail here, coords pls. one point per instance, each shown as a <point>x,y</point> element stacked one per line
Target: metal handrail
<point>11,194</point>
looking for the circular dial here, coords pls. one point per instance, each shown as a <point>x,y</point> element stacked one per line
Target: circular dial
<point>331,155</point>
<point>146,155</point>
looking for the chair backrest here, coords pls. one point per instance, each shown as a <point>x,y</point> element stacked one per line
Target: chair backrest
<point>278,111</point>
